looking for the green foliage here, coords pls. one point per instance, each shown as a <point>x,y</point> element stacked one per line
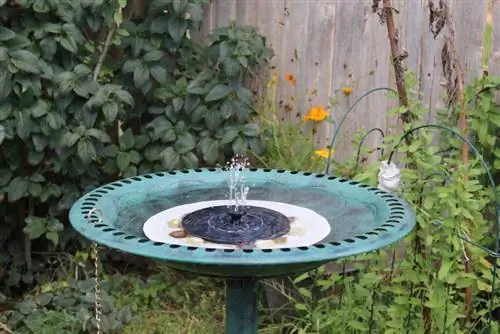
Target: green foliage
<point>88,94</point>
<point>66,307</point>
<point>424,289</point>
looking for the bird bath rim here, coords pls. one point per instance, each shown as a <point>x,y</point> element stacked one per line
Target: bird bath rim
<point>400,221</point>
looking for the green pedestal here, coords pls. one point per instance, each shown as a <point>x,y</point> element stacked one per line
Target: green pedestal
<point>242,299</point>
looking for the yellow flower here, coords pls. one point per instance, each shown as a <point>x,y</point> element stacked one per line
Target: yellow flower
<point>291,79</point>
<point>272,81</point>
<point>347,91</point>
<point>323,152</point>
<point>316,114</point>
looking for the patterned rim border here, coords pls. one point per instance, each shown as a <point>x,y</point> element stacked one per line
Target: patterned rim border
<point>88,221</point>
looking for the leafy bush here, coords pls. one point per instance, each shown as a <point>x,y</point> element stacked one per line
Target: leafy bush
<point>89,95</point>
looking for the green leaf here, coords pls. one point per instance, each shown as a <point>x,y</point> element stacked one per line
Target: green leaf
<point>257,145</point>
<point>127,140</point>
<point>35,189</point>
<point>444,270</point>
<point>210,150</point>
<point>25,61</point>
<point>69,139</point>
<point>123,161</point>
<point>170,158</point>
<point>159,74</point>
<point>141,75</point>
<point>69,44</point>
<point>190,160</point>
<point>49,48</point>
<point>40,108</point>
<point>231,67</point>
<point>152,56</point>
<point>130,171</point>
<point>178,103</point>
<point>5,176</point>
<point>100,135</point>
<point>218,93</point>
<point>110,111</point>
<point>5,83</point>
<point>53,237</point>
<point>86,151</point>
<point>160,25</point>
<point>86,88</point>
<point>125,97</point>
<point>6,34</point>
<point>176,28</point>
<point>35,227</point>
<point>2,134</point>
<point>37,177</point>
<point>239,145</point>
<point>184,143</point>
<point>17,188</point>
<point>230,134</point>
<point>251,130</point>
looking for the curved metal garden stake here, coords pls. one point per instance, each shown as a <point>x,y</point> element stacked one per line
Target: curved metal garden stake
<point>363,141</point>
<point>343,119</point>
<point>495,254</point>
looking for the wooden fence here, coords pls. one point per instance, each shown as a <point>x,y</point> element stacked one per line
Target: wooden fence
<point>331,44</point>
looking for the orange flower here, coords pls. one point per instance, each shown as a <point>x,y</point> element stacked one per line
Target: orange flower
<point>323,153</point>
<point>291,79</point>
<point>347,91</point>
<point>316,114</point>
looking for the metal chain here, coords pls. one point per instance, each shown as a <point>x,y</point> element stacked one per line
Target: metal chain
<point>98,292</point>
<point>97,275</point>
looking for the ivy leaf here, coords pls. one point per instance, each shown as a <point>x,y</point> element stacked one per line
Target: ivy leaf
<point>231,67</point>
<point>251,130</point>
<point>239,145</point>
<point>141,75</point>
<point>444,270</point>
<point>86,151</point>
<point>100,135</point>
<point>218,93</point>
<point>53,237</point>
<point>17,188</point>
<point>184,143</point>
<point>176,28</point>
<point>123,161</point>
<point>35,227</point>
<point>110,111</point>
<point>6,34</point>
<point>25,61</point>
<point>170,158</point>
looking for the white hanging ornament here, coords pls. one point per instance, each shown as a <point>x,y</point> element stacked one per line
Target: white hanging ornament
<point>389,177</point>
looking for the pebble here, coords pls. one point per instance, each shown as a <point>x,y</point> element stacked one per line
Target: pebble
<point>174,223</point>
<point>195,241</point>
<point>178,234</point>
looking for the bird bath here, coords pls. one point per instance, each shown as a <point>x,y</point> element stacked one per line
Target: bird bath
<point>292,222</point>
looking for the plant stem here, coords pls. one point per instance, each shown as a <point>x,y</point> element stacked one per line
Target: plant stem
<point>105,49</point>
<point>406,117</point>
<point>5,328</point>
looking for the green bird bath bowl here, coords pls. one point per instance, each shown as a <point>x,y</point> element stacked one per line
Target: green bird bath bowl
<point>184,219</point>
